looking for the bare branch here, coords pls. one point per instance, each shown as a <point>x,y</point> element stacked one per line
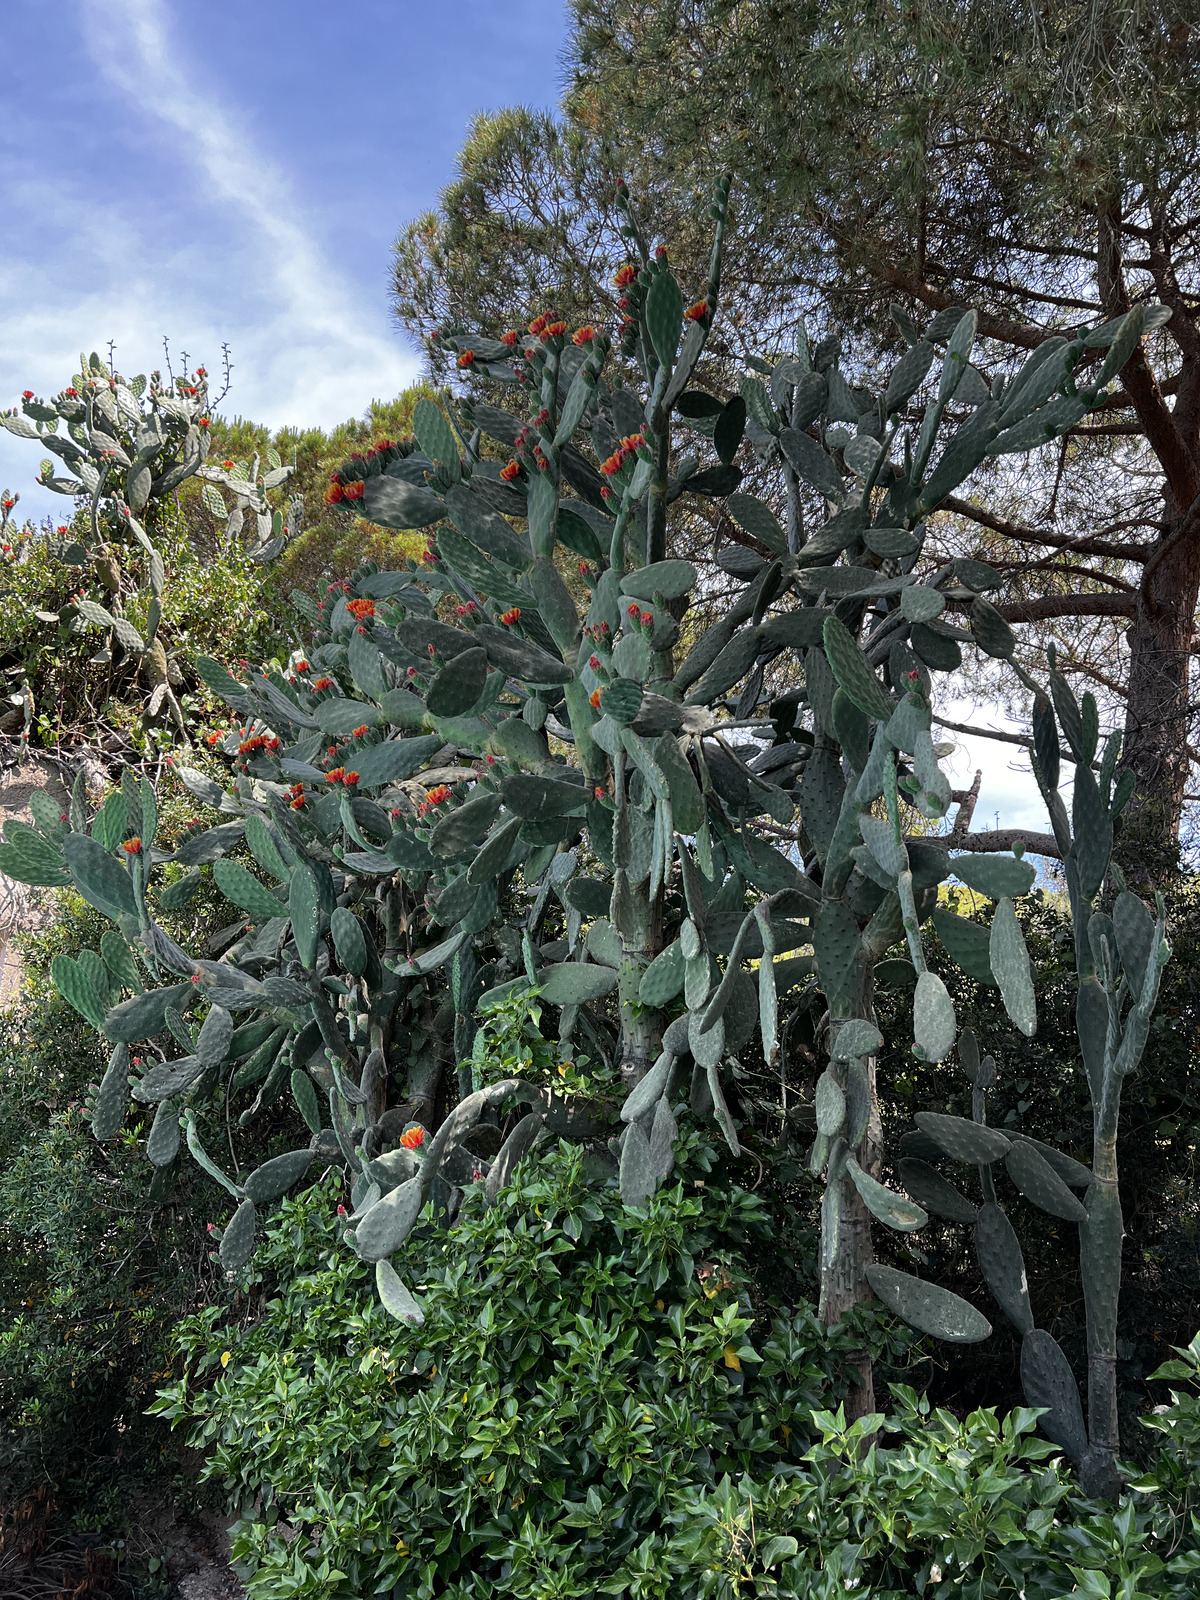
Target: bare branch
<point>1037,844</point>
<point>1085,545</point>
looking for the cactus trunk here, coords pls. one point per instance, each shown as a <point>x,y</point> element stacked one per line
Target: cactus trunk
<point>845,1259</point>
<point>1100,1260</point>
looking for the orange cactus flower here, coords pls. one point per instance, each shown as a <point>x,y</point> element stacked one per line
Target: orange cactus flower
<point>132,847</point>
<point>510,471</point>
<point>510,338</point>
<point>625,275</point>
<point>467,359</point>
<point>536,326</point>
<point>354,491</point>
<point>438,794</point>
<point>361,608</point>
<point>511,616</point>
<point>698,312</point>
<point>413,1139</point>
<point>335,775</point>
<point>594,699</point>
<point>583,335</point>
<point>302,666</point>
<point>350,779</point>
<point>323,683</point>
<point>554,330</point>
<point>360,732</point>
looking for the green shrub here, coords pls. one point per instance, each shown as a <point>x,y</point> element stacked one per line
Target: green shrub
<point>579,1414</point>
<point>93,1275</point>
<point>214,602</point>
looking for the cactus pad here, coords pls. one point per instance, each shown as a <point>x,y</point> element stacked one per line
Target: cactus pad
<point>927,1308</point>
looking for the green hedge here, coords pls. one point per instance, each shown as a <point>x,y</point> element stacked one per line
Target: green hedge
<point>583,1413</point>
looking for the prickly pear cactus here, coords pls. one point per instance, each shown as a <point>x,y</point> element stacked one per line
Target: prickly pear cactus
<point>1119,957</point>
<point>532,716</point>
<point>125,448</point>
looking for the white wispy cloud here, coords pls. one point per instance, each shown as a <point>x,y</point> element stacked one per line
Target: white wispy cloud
<point>231,257</point>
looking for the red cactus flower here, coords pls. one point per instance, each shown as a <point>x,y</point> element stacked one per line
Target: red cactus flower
<point>413,1139</point>
<point>625,275</point>
<point>583,335</point>
<point>647,619</point>
<point>594,699</point>
<point>511,616</point>
<point>206,422</point>
<point>606,493</point>
<point>228,465</point>
<point>302,666</point>
<point>510,338</point>
<point>298,803</point>
<point>412,672</point>
<point>633,610</point>
<point>599,792</point>
<point>698,312</point>
<point>660,252</point>
<point>26,394</point>
<point>132,847</point>
<point>584,570</point>
<point>72,393</point>
<point>201,372</point>
<point>467,358</point>
<point>490,760</point>
<point>333,494</point>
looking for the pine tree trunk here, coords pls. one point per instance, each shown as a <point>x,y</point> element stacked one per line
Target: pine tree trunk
<point>1157,711</point>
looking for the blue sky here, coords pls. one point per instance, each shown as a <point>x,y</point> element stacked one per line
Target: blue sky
<point>235,171</point>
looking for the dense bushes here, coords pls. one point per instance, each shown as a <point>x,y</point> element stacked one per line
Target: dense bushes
<point>591,1406</point>
<point>93,1272</point>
